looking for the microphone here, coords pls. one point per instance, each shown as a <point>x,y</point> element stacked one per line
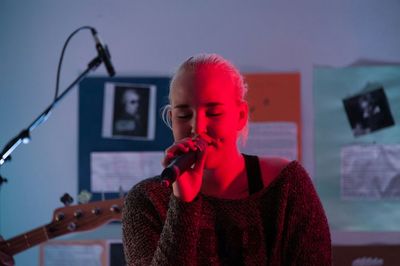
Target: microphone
<point>104,54</point>
<point>182,163</point>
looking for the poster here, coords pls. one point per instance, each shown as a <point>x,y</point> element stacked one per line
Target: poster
<point>352,183</point>
<point>275,115</point>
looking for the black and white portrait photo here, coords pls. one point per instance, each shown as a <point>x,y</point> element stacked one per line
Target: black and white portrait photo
<point>129,111</point>
<point>368,112</point>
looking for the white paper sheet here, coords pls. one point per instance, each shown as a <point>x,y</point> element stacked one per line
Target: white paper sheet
<point>272,139</point>
<point>370,171</point>
<point>73,254</point>
<point>112,170</point>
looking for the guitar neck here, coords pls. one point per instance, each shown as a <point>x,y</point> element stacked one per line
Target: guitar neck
<point>24,241</point>
<point>67,220</point>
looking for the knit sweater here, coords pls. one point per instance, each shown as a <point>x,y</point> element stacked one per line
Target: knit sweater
<point>283,224</point>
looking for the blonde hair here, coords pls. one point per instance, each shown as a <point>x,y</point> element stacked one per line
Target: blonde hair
<point>217,63</point>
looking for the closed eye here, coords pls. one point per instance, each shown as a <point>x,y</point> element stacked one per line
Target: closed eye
<point>214,114</point>
<point>215,111</point>
<point>184,116</point>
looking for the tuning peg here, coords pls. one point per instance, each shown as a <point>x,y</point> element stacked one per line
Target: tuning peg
<point>84,197</point>
<point>66,199</point>
<point>115,208</point>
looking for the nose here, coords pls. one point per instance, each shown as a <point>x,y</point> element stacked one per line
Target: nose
<point>199,124</point>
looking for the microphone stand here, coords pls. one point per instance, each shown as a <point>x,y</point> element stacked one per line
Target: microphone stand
<point>24,135</point>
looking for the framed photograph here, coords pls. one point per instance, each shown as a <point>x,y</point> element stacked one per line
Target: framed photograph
<point>368,112</point>
<point>129,111</point>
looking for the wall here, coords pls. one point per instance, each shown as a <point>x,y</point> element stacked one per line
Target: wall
<point>151,38</point>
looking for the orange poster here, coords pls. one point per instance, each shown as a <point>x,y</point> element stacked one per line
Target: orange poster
<point>275,114</point>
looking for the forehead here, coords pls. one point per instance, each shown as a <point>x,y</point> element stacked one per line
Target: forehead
<point>203,86</point>
<point>130,94</point>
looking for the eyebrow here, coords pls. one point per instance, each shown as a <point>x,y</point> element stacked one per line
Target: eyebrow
<point>210,104</point>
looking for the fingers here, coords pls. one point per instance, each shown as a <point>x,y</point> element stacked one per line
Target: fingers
<point>184,146</point>
<point>178,148</point>
<point>201,158</point>
<point>203,136</point>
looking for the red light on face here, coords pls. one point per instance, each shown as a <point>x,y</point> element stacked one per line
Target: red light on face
<point>206,102</point>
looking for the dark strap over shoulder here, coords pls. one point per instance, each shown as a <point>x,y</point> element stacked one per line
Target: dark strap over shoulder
<point>253,170</point>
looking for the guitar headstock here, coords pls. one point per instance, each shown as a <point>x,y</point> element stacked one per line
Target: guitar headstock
<point>84,217</point>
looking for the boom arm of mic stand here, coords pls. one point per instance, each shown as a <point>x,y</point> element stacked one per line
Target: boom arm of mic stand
<point>24,136</point>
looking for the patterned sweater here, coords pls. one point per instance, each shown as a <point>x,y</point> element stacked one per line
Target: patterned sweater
<point>283,224</point>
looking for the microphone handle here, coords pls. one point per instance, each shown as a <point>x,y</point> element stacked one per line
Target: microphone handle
<point>182,163</point>
<point>177,167</point>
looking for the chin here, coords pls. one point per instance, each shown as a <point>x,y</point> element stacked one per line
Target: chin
<point>213,160</point>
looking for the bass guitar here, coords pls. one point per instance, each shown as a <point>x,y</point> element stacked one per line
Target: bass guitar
<point>66,220</point>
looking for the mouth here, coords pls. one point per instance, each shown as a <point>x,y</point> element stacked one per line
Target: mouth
<point>215,142</point>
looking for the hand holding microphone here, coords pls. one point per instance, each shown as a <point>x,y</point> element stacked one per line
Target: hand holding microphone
<point>184,163</point>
